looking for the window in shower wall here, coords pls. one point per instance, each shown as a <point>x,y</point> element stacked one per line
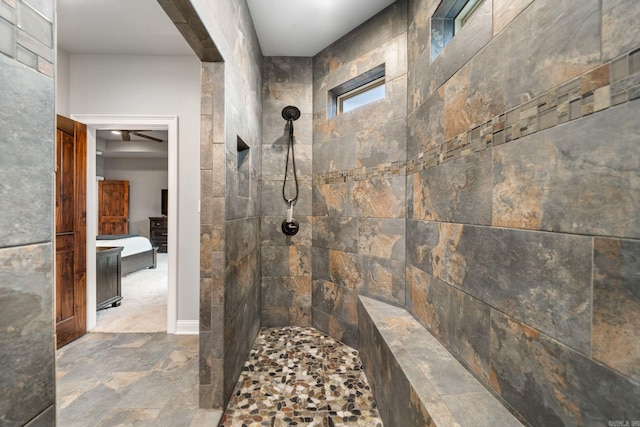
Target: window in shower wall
<point>448,19</point>
<point>362,90</point>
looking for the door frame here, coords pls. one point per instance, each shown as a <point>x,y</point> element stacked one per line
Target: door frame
<point>116,122</point>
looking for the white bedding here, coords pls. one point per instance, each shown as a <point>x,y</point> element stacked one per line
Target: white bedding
<point>132,245</point>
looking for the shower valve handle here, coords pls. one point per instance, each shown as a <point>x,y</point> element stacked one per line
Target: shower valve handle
<point>290,226</point>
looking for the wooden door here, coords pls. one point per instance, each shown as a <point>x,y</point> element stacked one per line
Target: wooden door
<point>113,207</point>
<point>71,230</point>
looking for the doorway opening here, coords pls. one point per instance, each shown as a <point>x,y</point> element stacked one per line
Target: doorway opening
<point>112,122</point>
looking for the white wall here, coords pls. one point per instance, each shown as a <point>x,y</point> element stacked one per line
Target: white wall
<point>62,82</point>
<point>146,178</point>
<point>154,85</point>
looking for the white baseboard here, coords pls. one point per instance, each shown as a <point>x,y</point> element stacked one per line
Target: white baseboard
<point>187,327</point>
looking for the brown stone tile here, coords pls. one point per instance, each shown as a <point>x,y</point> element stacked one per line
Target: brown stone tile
<point>595,79</point>
<point>346,269</point>
<point>616,305</point>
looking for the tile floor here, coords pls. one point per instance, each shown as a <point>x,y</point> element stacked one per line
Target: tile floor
<point>132,379</point>
<point>301,377</point>
<point>294,377</point>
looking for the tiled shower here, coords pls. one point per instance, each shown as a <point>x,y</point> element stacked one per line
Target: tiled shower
<point>492,193</point>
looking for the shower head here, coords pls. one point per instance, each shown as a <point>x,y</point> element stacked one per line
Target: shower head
<point>290,113</point>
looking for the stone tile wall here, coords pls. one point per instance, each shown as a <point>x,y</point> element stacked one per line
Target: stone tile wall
<point>230,199</point>
<point>212,235</point>
<point>522,197</point>
<point>492,192</point>
<point>27,131</point>
<point>359,177</point>
<point>286,260</point>
<point>27,33</point>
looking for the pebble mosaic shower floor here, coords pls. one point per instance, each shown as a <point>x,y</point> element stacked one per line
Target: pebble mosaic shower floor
<point>301,377</point>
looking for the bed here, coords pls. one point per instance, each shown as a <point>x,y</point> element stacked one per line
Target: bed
<point>137,252</point>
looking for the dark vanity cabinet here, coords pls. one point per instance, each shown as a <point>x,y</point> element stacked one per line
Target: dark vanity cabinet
<point>108,277</point>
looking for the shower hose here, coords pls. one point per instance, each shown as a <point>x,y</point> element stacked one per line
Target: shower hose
<point>293,200</point>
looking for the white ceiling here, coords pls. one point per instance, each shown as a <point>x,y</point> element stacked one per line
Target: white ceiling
<point>141,27</point>
<point>110,27</point>
<point>112,145</point>
<point>108,135</point>
<point>305,27</point>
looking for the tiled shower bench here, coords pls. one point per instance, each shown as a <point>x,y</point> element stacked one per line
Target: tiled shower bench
<point>415,380</point>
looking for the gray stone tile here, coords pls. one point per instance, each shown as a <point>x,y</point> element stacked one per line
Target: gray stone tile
<point>346,269</point>
<point>35,23</point>
<point>383,238</point>
<point>273,203</point>
<point>282,69</point>
<point>585,184</point>
<point>25,168</point>
<point>471,38</point>
<point>8,39</point>
<point>286,291</point>
<point>425,122</point>
<point>275,261</point>
<point>239,333</point>
<point>469,332</point>
<point>337,301</point>
<point>241,281</point>
<point>383,279</point>
<point>335,154</point>
<point>237,249</point>
<point>381,144</point>
<point>27,332</point>
<point>388,24</point>
<point>551,384</point>
<point>45,7</point>
<point>332,199</point>
<point>616,305</point>
<point>505,11</point>
<point>479,409</point>
<point>206,418</point>
<point>379,198</point>
<point>458,191</point>
<point>340,233</point>
<point>552,286</point>
<point>428,299</point>
<point>45,419</point>
<point>619,27</point>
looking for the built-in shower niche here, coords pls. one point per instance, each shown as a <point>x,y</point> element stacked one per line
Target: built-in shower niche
<point>243,169</point>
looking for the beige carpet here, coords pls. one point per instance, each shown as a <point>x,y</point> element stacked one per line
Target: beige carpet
<point>144,303</point>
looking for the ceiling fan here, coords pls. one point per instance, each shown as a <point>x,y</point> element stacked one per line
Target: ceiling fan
<point>126,135</point>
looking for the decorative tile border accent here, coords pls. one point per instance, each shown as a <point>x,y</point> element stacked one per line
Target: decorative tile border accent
<point>361,174</point>
<point>27,36</point>
<point>612,83</point>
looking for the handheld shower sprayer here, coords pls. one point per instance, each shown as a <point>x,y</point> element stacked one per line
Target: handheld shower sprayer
<point>290,226</point>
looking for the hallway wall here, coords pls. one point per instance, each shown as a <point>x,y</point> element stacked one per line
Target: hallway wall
<point>286,261</point>
<point>153,85</point>
<point>523,192</point>
<point>147,177</point>
<point>27,131</point>
<point>359,177</point>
